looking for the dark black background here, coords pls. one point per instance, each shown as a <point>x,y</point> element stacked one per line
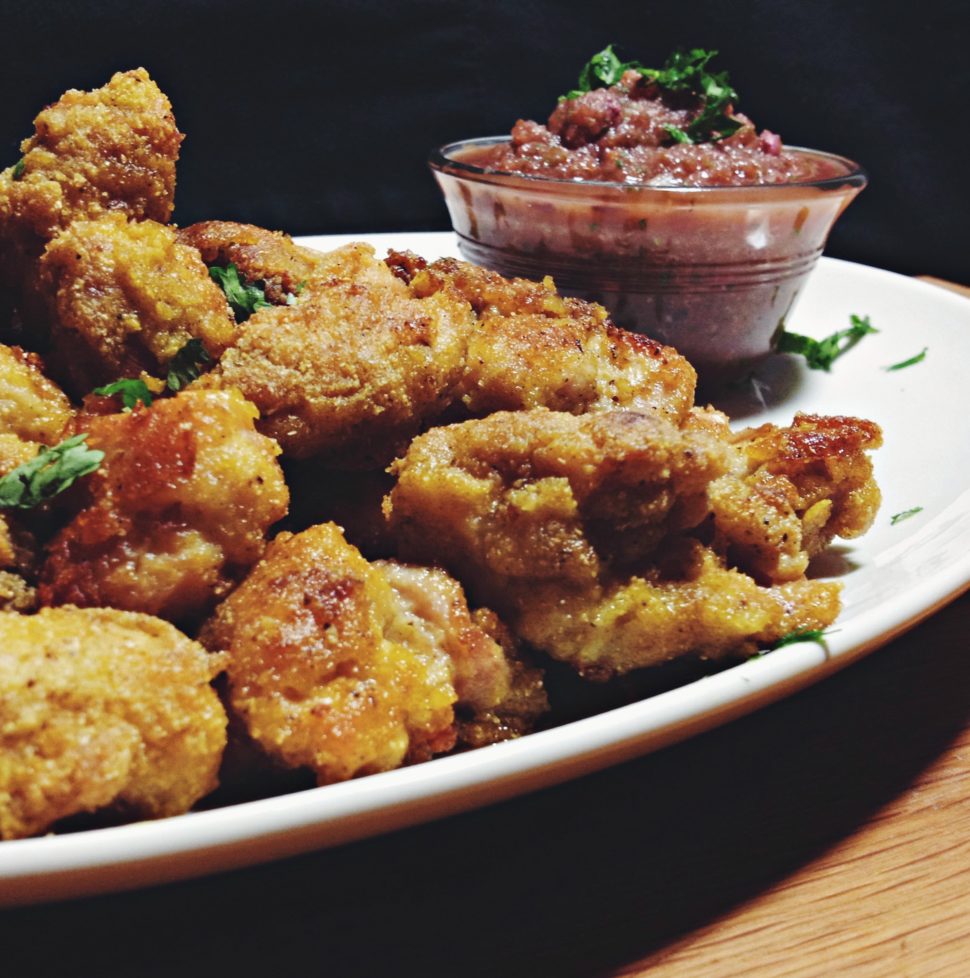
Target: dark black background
<point>318,117</point>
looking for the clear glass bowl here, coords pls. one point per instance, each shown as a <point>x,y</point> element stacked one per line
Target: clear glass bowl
<point>712,271</point>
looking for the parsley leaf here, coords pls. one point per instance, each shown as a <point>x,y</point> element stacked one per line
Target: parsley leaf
<point>686,71</point>
<point>801,635</point>
<point>52,471</point>
<point>904,515</point>
<point>18,168</point>
<point>821,354</point>
<point>601,71</point>
<point>186,365</point>
<point>683,71</point>
<point>132,392</point>
<point>909,363</point>
<point>244,297</point>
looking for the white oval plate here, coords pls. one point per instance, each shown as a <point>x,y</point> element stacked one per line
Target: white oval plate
<point>894,576</point>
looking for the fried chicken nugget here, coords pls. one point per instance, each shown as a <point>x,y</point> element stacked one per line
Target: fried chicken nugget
<point>690,603</point>
<point>111,149</point>
<point>795,489</point>
<point>521,497</point>
<point>595,536</point>
<point>31,406</point>
<point>534,348</point>
<point>346,667</point>
<point>177,511</point>
<point>125,297</point>
<point>354,368</point>
<point>103,708</point>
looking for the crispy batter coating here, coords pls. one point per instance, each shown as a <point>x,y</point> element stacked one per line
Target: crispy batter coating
<point>521,497</point>
<point>125,297</point>
<point>793,490</point>
<point>690,603</point>
<point>103,708</point>
<point>347,667</point>
<point>31,406</point>
<point>352,369</point>
<point>177,511</point>
<point>111,149</point>
<point>600,538</point>
<point>534,348</point>
<point>269,257</point>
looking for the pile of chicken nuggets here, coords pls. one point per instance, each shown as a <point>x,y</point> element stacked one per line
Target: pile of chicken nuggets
<point>383,495</point>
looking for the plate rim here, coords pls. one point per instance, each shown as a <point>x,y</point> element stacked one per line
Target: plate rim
<point>247,833</point>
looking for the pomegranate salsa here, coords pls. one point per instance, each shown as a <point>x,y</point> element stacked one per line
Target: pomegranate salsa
<point>669,127</point>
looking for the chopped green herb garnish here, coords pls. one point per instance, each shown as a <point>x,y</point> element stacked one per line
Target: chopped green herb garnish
<point>601,71</point>
<point>52,471</point>
<point>801,635</point>
<point>244,297</point>
<point>909,363</point>
<point>132,392</point>
<point>904,515</point>
<point>821,354</point>
<point>683,71</point>
<point>18,168</point>
<point>186,365</point>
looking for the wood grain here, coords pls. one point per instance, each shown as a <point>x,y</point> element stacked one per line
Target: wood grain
<point>944,284</point>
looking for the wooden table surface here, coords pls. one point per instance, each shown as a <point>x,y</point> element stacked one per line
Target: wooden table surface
<point>827,835</point>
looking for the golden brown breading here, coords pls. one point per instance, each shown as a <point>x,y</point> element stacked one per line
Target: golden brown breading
<point>690,603</point>
<point>352,369</point>
<point>31,406</point>
<point>347,667</point>
<point>111,149</point>
<point>534,348</point>
<point>793,490</point>
<point>16,594</point>
<point>101,707</point>
<point>598,537</point>
<point>125,297</point>
<point>269,257</point>
<point>521,497</point>
<point>177,511</point>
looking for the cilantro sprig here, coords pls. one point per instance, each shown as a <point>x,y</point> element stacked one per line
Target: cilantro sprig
<point>50,472</point>
<point>821,354</point>
<point>187,364</point>
<point>801,635</point>
<point>132,392</point>
<point>183,368</point>
<point>18,168</point>
<point>601,71</point>
<point>244,297</point>
<point>683,71</point>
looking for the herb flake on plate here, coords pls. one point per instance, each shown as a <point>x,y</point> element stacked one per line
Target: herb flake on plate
<point>919,358</point>
<point>904,515</point>
<point>821,354</point>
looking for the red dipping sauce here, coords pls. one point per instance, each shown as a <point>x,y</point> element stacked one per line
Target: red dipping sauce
<point>702,246</point>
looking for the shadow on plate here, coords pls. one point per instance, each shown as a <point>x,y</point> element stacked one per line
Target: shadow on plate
<point>774,381</point>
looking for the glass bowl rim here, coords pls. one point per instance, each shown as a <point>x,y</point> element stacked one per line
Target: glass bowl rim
<point>440,161</point>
